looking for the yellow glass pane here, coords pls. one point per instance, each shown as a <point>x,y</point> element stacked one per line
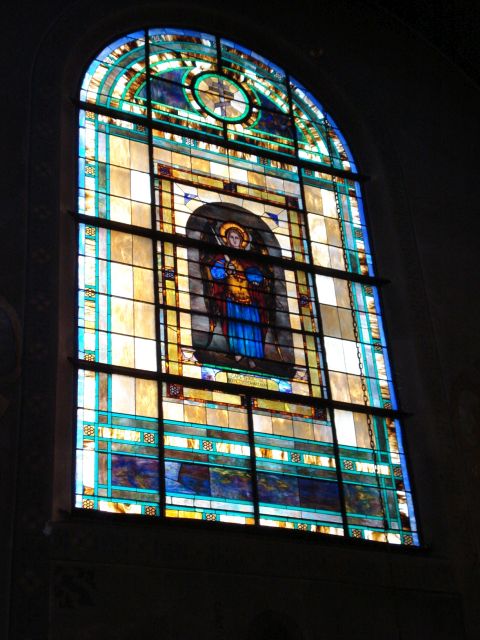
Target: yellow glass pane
<point>282,426</point>
<point>121,247</point>
<point>321,255</point>
<point>162,155</point>
<point>361,430</point>
<point>195,413</point>
<point>170,297</point>
<point>200,166</point>
<point>303,430</point>
<point>313,199</point>
<point>339,386</point>
<point>120,182</point>
<point>119,151</point>
<point>318,230</point>
<point>217,417</point>
<point>256,179</point>
<point>184,300</point>
<point>121,210</point>
<point>346,324</point>
<point>123,394</point>
<point>142,252</point>
<point>307,323</point>
<point>237,420</point>
<point>173,411</point>
<point>341,293</point>
<point>143,284</point>
<point>355,386</point>
<point>181,160</point>
<point>123,350</point>
<point>330,321</point>
<point>141,214</point>
<point>144,320</point>
<point>226,398</point>
<point>262,424</point>
<point>336,258</point>
<point>122,316</point>
<point>139,156</point>
<point>333,232</point>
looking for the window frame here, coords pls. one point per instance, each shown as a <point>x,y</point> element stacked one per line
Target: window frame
<point>372,280</point>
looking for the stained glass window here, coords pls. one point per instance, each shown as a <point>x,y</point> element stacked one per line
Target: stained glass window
<point>232,364</point>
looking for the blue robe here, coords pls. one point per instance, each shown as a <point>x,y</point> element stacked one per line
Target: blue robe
<point>243,324</point>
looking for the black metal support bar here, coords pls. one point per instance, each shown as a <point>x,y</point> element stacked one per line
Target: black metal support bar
<point>237,389</point>
<point>160,429</point>
<point>285,263</point>
<point>253,459</point>
<point>205,137</point>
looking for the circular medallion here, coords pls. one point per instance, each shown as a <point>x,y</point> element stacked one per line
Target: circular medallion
<point>221,97</point>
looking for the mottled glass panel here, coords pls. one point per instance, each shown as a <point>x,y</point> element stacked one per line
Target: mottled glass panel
<point>336,223</point>
<point>355,345</point>
<point>224,265</point>
<point>116,316</point>
<point>114,171</point>
<point>208,472</point>
<point>374,473</point>
<point>296,468</point>
<point>117,465</point>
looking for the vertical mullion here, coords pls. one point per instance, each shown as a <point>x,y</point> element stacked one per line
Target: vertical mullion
<point>76,334</point>
<point>331,412</point>
<point>161,448</point>
<point>253,460</point>
<point>218,45</point>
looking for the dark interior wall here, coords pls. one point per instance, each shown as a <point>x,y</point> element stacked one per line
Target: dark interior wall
<point>410,117</point>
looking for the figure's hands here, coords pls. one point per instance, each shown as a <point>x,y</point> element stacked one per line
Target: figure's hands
<point>230,269</point>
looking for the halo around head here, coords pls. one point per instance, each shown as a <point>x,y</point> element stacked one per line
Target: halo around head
<point>229,226</point>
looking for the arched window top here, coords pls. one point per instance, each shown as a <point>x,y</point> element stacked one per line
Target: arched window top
<point>217,87</point>
<point>232,363</point>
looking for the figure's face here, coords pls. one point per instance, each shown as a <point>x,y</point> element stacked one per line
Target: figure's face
<point>234,239</point>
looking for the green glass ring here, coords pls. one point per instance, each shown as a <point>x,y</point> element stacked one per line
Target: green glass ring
<point>221,97</point>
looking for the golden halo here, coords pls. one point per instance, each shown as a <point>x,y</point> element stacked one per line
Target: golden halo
<point>228,226</point>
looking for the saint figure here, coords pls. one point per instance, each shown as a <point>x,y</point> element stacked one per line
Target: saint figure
<point>239,294</point>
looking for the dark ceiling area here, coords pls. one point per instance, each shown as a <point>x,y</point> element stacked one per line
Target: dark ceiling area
<point>452,26</point>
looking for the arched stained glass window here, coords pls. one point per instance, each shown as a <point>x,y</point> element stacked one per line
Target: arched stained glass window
<point>232,365</point>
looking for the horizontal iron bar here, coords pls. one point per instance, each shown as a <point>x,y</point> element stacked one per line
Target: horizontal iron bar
<point>179,240</point>
<point>235,389</point>
<point>221,142</point>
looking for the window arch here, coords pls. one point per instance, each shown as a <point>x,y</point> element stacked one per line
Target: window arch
<point>232,364</point>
